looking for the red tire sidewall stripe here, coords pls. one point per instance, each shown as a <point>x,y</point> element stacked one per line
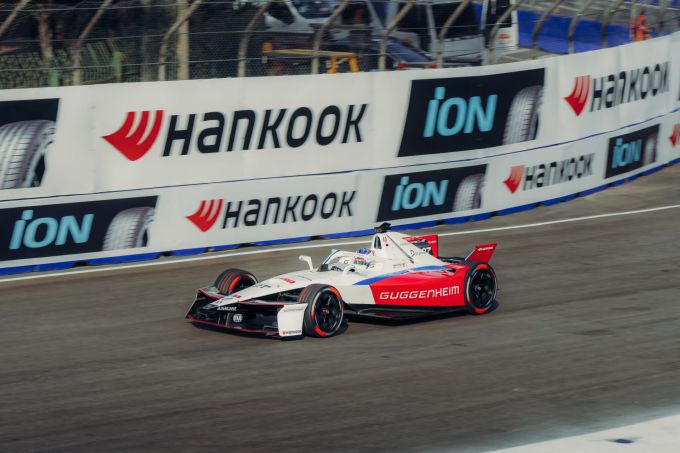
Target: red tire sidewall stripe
<point>233,283</point>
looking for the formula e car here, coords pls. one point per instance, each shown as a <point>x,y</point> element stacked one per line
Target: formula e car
<point>399,277</point>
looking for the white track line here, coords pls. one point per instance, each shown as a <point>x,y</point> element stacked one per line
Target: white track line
<point>323,244</point>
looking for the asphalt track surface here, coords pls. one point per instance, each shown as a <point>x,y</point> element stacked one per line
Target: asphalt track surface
<point>587,337</point>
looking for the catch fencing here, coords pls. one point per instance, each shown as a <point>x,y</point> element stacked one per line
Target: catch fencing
<point>68,42</point>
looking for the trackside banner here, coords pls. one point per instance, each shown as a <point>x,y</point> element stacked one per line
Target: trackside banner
<point>128,169</point>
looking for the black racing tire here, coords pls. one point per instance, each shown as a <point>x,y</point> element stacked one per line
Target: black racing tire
<point>23,146</point>
<point>129,229</point>
<point>234,280</point>
<point>324,312</point>
<point>481,288</point>
<point>469,193</point>
<point>522,123</point>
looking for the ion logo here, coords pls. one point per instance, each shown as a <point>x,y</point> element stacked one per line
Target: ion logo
<point>468,114</point>
<point>431,192</point>
<point>273,210</point>
<point>543,175</point>
<point>206,215</point>
<point>609,91</point>
<point>411,196</point>
<point>215,132</point>
<point>130,144</point>
<point>458,114</point>
<point>631,151</point>
<point>675,135</point>
<point>30,233</point>
<point>74,228</point>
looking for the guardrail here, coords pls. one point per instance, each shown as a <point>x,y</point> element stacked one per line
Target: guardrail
<point>130,171</point>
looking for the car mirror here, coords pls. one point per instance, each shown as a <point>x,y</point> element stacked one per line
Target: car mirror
<point>307,260</point>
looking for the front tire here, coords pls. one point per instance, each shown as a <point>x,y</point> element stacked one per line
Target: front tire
<point>324,312</point>
<point>480,289</point>
<point>234,280</point>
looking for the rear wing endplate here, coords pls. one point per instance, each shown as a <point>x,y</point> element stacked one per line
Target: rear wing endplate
<point>482,253</point>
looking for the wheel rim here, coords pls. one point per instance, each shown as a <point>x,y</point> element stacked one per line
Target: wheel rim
<point>482,289</point>
<point>327,312</point>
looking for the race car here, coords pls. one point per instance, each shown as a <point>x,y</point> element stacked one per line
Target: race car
<point>398,277</point>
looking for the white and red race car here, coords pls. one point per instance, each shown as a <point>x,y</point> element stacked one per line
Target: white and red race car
<point>399,277</point>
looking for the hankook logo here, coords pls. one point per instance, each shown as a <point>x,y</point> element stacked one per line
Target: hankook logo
<point>241,130</point>
<point>611,90</point>
<point>548,174</point>
<point>675,135</point>
<point>249,213</point>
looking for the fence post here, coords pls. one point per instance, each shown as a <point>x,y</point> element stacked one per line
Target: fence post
<point>494,30</point>
<point>78,48</point>
<point>320,32</point>
<point>572,25</point>
<point>390,28</point>
<point>247,34</point>
<point>445,29</point>
<point>13,15</point>
<point>608,15</point>
<point>537,28</point>
<point>163,52</point>
<point>182,45</point>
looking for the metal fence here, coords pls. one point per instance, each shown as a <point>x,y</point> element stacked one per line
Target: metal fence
<point>71,42</point>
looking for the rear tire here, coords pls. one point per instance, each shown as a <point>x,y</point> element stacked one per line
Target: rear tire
<point>23,146</point>
<point>324,312</point>
<point>234,280</point>
<point>480,288</point>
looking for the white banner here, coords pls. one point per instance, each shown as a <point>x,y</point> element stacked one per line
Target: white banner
<point>218,163</point>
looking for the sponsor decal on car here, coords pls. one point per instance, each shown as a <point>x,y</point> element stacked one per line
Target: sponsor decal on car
<point>465,113</point>
<point>431,192</point>
<point>291,332</point>
<point>227,308</point>
<point>241,130</point>
<point>253,212</point>
<point>631,151</point>
<point>27,130</point>
<point>422,294</point>
<point>74,228</point>
<point>549,174</point>
<point>592,94</point>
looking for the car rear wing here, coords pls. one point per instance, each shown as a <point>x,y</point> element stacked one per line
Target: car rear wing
<point>482,252</point>
<point>429,244</point>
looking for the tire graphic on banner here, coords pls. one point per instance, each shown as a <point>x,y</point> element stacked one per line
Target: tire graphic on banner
<point>522,123</point>
<point>129,229</point>
<point>469,193</point>
<point>27,130</point>
<point>23,146</point>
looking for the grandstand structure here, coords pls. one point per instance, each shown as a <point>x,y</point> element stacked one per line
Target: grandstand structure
<point>73,42</point>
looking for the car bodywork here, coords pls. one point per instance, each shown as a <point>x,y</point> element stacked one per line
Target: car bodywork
<point>399,277</point>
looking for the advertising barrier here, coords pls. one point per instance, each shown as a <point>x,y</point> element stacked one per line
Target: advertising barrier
<point>130,171</point>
